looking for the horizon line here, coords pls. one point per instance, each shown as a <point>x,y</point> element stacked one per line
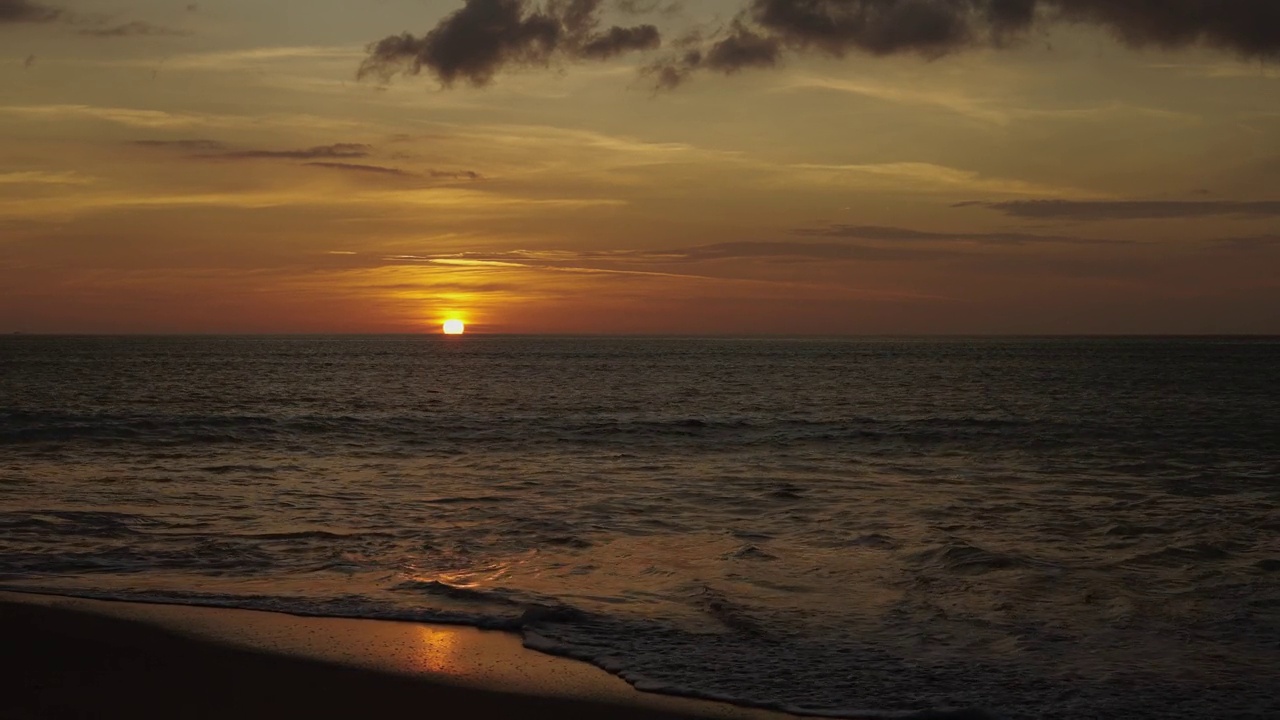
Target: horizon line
<point>674,335</point>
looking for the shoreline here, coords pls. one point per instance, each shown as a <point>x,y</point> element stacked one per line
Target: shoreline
<point>80,657</point>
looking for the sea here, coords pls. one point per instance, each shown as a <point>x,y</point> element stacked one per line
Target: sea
<point>1030,527</point>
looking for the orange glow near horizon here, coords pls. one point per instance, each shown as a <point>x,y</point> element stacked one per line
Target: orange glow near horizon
<point>454,327</point>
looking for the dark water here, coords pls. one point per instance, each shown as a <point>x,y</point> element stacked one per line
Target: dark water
<point>1042,528</point>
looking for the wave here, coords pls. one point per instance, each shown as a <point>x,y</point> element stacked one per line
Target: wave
<point>40,427</point>
<point>964,559</point>
<point>541,626</point>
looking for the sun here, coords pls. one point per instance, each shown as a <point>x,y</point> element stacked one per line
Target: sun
<point>454,327</point>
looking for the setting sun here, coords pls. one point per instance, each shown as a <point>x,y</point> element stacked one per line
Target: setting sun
<point>454,327</point>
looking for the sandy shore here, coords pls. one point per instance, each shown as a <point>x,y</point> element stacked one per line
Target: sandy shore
<point>76,658</point>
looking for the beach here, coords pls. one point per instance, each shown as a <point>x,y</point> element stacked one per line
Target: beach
<point>78,658</point>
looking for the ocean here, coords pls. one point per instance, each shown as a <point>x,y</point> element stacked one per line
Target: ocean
<point>1041,528</point>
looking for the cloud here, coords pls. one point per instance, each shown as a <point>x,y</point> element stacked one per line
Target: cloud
<point>475,42</point>
<point>618,40</point>
<point>39,177</point>
<point>746,250</point>
<point>928,177</point>
<point>657,263</point>
<point>218,150</point>
<point>435,201</point>
<point>1251,242</point>
<point>337,151</point>
<point>188,145</point>
<point>1128,209</point>
<point>135,28</point>
<point>18,11</point>
<point>893,234</point>
<point>371,169</point>
<point>478,40</point>
<point>937,27</point>
<point>621,260</point>
<point>160,119</point>
<point>457,174</point>
<point>257,58</point>
<point>647,7</point>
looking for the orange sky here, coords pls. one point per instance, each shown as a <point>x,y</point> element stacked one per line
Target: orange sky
<point>218,167</point>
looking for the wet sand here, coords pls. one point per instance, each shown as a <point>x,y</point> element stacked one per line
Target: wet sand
<point>77,658</point>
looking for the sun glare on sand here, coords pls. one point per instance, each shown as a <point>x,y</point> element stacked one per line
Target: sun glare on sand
<point>454,327</point>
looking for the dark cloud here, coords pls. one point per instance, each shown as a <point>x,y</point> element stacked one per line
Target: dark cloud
<point>476,41</point>
<point>1248,27</point>
<point>369,169</point>
<point>17,11</point>
<point>131,29</point>
<point>742,48</point>
<point>617,40</point>
<point>335,151</point>
<point>934,27</point>
<point>893,234</point>
<point>482,37</point>
<point>1128,209</point>
<point>198,145</point>
<point>766,29</point>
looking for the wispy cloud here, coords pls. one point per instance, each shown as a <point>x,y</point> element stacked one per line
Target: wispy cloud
<point>40,177</point>
<point>134,29</point>
<point>657,263</point>
<point>1250,242</point>
<point>164,120</point>
<point>953,101</point>
<point>456,174</point>
<point>365,169</point>
<point>252,58</point>
<point>336,150</point>
<point>1129,209</point>
<point>895,234</point>
<point>631,150</point>
<point>928,177</point>
<point>197,145</point>
<point>335,156</point>
<point>1259,71</point>
<point>440,200</point>
<point>1000,112</point>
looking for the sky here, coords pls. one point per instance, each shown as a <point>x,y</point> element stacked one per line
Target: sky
<point>804,167</point>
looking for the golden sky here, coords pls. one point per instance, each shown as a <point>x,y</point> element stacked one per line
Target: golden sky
<point>640,166</point>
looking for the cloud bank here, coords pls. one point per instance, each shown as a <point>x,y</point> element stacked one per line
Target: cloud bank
<point>768,29</point>
<point>484,36</point>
